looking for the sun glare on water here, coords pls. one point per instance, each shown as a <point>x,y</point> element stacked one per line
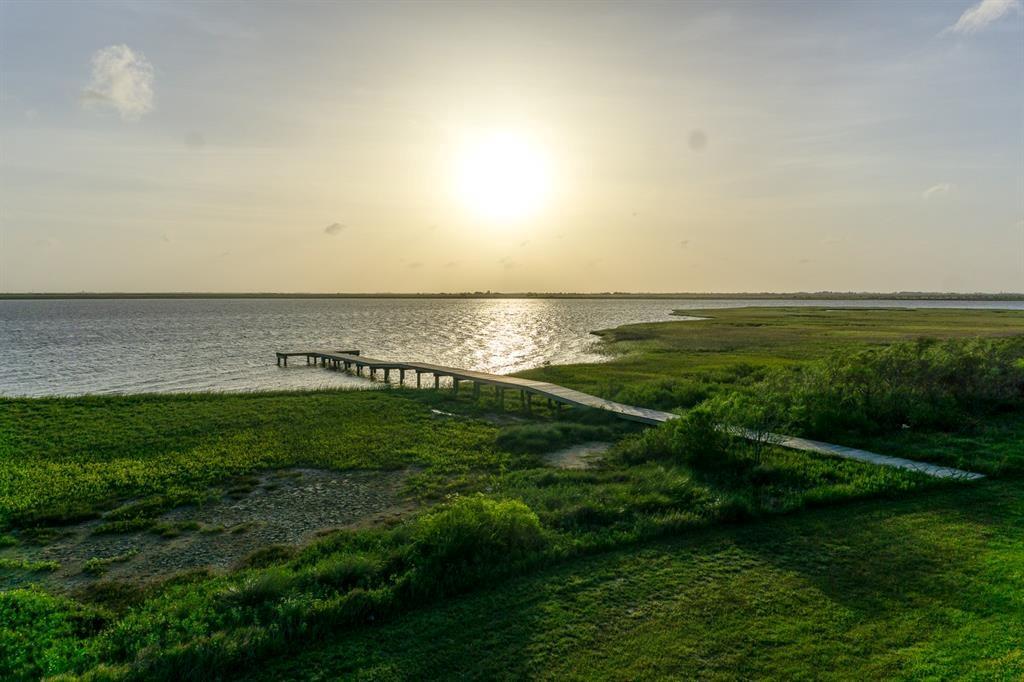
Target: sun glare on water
<point>502,176</point>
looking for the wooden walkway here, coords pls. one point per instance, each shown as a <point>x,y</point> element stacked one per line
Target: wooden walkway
<point>560,395</point>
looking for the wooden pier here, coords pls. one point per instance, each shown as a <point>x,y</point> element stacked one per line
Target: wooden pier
<point>351,360</point>
<point>347,360</point>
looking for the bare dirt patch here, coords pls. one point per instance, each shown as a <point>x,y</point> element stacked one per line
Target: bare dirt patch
<point>582,456</point>
<point>282,507</point>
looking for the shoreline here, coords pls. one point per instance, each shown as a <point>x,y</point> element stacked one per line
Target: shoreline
<point>726,296</point>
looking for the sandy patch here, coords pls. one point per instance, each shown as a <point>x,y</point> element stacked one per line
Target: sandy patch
<point>288,506</point>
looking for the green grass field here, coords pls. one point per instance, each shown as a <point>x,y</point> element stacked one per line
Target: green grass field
<point>922,588</point>
<point>661,562</point>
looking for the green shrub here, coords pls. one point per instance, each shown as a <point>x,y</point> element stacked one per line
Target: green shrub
<point>455,545</point>
<point>541,438</point>
<point>258,588</point>
<point>693,439</point>
<point>921,384</point>
<point>663,394</point>
<point>346,571</point>
<point>269,555</point>
<point>39,634</point>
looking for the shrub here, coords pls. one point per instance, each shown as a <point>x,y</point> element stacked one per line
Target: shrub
<point>346,571</point>
<point>924,383</point>
<point>457,544</point>
<point>39,633</point>
<point>663,394</point>
<point>269,555</point>
<point>258,588</point>
<point>541,438</point>
<point>693,439</point>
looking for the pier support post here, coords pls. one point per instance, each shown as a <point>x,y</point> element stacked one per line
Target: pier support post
<point>529,400</point>
<point>286,361</point>
<point>437,382</point>
<point>476,390</point>
<point>387,375</point>
<point>418,379</point>
<point>401,377</point>
<point>455,385</point>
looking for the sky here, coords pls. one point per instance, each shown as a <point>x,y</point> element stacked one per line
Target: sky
<point>588,147</point>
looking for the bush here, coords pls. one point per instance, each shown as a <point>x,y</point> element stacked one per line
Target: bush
<point>39,633</point>
<point>454,546</point>
<point>541,438</point>
<point>269,555</point>
<point>663,394</point>
<point>925,384</point>
<point>694,440</point>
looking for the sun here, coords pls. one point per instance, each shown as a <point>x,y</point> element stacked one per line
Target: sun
<point>502,176</point>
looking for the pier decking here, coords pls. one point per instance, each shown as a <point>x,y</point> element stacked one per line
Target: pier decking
<point>527,388</point>
<point>560,395</point>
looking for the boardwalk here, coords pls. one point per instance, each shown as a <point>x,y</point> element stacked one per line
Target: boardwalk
<point>560,395</point>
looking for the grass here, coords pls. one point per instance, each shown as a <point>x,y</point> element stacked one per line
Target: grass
<point>99,565</point>
<point>8,564</point>
<point>686,554</point>
<point>733,347</point>
<point>919,588</point>
<point>66,459</point>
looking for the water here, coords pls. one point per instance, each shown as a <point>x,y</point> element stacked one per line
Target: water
<point>68,347</point>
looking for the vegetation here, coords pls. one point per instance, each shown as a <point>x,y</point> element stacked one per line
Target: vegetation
<point>922,587</point>
<point>67,459</point>
<point>641,554</point>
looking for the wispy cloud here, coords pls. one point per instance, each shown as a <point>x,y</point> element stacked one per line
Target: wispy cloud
<point>122,79</point>
<point>697,140</point>
<point>938,190</point>
<point>981,15</point>
<point>335,228</point>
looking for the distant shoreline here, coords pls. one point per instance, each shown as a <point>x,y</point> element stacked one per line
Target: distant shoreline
<point>801,296</point>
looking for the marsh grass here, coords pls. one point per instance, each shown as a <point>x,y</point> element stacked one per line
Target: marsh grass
<point>498,514</point>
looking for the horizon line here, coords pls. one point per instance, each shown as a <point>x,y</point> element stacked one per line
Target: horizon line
<point>821,294</point>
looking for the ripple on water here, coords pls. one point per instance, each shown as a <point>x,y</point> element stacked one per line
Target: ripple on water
<point>66,347</point>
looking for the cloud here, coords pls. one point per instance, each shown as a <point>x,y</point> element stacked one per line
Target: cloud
<point>803,261</point>
<point>415,265</point>
<point>938,190</point>
<point>506,263</point>
<point>452,264</point>
<point>697,140</point>
<point>335,228</point>
<point>981,15</point>
<point>683,243</point>
<point>195,140</point>
<point>122,80</point>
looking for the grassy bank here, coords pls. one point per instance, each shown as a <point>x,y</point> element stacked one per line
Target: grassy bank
<point>921,588</point>
<point>765,550</point>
